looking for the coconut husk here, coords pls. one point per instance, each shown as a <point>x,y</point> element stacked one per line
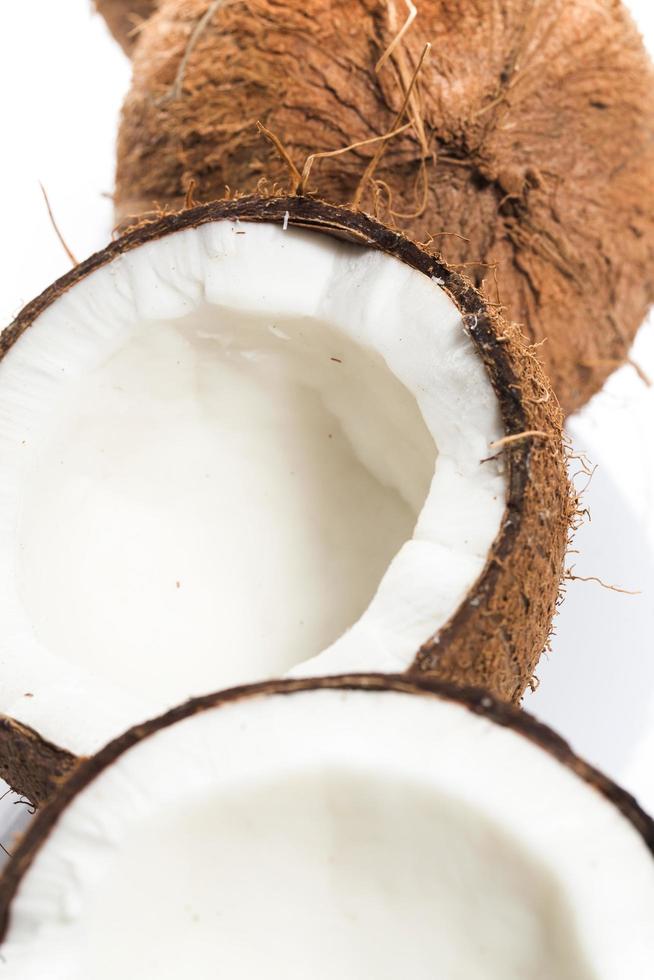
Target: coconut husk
<point>31,764</point>
<point>124,19</point>
<point>529,158</point>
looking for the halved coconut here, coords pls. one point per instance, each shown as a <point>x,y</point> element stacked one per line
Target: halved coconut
<point>345,827</point>
<point>231,446</point>
<point>531,147</point>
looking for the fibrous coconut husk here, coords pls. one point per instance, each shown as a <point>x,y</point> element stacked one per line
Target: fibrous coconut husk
<point>495,637</point>
<point>124,18</point>
<point>530,157</point>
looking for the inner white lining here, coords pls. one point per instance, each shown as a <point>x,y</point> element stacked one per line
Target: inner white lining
<point>340,834</point>
<point>88,646</point>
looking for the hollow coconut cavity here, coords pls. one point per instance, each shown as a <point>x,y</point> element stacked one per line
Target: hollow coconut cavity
<point>351,827</point>
<point>233,447</point>
<point>529,158</point>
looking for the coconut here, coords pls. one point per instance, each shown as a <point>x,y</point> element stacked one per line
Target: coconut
<point>529,158</point>
<point>124,18</point>
<point>255,437</point>
<point>362,826</point>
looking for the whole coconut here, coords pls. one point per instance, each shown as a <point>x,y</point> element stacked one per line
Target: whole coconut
<point>530,158</point>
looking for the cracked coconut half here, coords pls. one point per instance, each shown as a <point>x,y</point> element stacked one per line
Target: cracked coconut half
<point>525,145</point>
<point>354,827</point>
<point>258,437</point>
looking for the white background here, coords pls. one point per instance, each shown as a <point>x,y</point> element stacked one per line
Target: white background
<point>62,81</point>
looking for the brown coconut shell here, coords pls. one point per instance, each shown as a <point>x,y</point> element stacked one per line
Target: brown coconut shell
<point>29,763</point>
<point>496,636</point>
<point>532,139</point>
<point>124,19</point>
<point>478,702</point>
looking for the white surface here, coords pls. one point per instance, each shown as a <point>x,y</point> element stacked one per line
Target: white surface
<point>333,817</point>
<point>63,80</point>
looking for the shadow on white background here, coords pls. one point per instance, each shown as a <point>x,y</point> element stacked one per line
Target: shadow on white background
<point>597,684</point>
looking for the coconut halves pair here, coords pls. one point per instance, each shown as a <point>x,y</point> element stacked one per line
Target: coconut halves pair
<point>204,418</point>
<point>271,436</point>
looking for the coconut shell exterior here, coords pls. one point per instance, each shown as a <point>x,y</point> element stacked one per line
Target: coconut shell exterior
<point>124,19</point>
<point>496,636</point>
<point>478,702</point>
<point>533,128</point>
<point>30,764</point>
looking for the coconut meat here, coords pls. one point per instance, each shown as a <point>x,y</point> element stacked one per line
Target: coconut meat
<point>336,834</point>
<point>227,452</point>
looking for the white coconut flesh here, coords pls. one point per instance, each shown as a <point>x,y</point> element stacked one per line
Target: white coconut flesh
<point>225,453</point>
<point>336,834</point>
